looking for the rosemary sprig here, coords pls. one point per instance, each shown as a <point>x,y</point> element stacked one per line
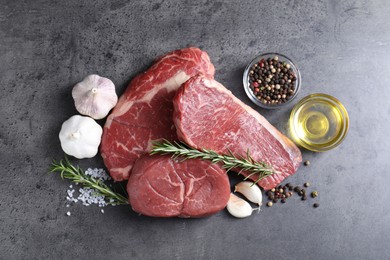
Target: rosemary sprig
<point>77,175</point>
<point>229,161</point>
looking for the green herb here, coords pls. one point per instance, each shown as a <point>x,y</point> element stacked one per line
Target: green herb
<point>77,175</point>
<point>229,161</point>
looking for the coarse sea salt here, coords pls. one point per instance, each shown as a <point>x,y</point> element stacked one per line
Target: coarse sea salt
<point>99,174</point>
<point>88,196</point>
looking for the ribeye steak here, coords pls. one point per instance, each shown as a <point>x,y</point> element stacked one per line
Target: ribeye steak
<point>163,187</point>
<point>144,111</point>
<point>209,116</point>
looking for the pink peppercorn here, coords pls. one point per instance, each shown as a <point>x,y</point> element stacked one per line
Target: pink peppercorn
<point>255,84</point>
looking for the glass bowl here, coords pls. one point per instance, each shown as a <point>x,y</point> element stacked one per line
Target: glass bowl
<point>318,122</point>
<point>250,92</point>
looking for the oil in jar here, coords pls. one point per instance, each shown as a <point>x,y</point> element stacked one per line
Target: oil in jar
<point>317,122</point>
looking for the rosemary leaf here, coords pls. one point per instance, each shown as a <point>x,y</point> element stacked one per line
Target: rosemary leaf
<point>229,160</point>
<point>77,175</point>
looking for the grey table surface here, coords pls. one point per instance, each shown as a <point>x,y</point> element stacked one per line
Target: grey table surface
<point>341,48</point>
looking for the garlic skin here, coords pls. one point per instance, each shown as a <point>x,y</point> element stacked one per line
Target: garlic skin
<point>80,136</point>
<point>250,190</point>
<point>238,207</point>
<point>94,96</point>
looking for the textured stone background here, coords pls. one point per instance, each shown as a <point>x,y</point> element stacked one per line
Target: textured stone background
<point>341,47</point>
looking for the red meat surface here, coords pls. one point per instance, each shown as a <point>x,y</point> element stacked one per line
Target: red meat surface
<point>163,187</point>
<point>209,116</point>
<point>144,111</point>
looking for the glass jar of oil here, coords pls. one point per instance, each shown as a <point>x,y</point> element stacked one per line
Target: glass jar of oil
<point>319,122</point>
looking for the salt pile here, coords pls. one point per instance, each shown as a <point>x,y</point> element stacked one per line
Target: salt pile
<point>98,174</point>
<point>88,196</point>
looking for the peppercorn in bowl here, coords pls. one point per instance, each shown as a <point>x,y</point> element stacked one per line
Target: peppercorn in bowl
<point>271,80</point>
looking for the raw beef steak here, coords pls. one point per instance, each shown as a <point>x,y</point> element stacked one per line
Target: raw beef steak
<point>163,187</point>
<point>209,116</point>
<point>144,111</point>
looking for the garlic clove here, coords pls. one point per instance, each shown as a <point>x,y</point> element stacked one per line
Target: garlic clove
<point>238,207</point>
<point>94,96</point>
<point>250,190</point>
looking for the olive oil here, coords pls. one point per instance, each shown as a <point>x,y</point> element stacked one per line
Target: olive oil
<point>318,122</point>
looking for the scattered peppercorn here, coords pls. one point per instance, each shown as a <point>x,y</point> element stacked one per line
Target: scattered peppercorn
<point>283,192</point>
<point>272,81</point>
<point>306,163</point>
<point>269,204</point>
<point>316,205</point>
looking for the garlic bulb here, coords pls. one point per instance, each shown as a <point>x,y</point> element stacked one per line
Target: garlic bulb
<point>80,136</point>
<point>238,207</point>
<point>94,96</point>
<point>250,190</point>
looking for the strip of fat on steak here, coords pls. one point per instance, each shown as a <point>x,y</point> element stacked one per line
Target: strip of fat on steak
<point>144,111</point>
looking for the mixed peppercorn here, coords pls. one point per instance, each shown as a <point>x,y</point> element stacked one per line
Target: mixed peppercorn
<point>272,81</point>
<point>283,192</point>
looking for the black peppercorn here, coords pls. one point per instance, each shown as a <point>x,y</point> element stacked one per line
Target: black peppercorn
<point>316,205</point>
<point>272,72</point>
